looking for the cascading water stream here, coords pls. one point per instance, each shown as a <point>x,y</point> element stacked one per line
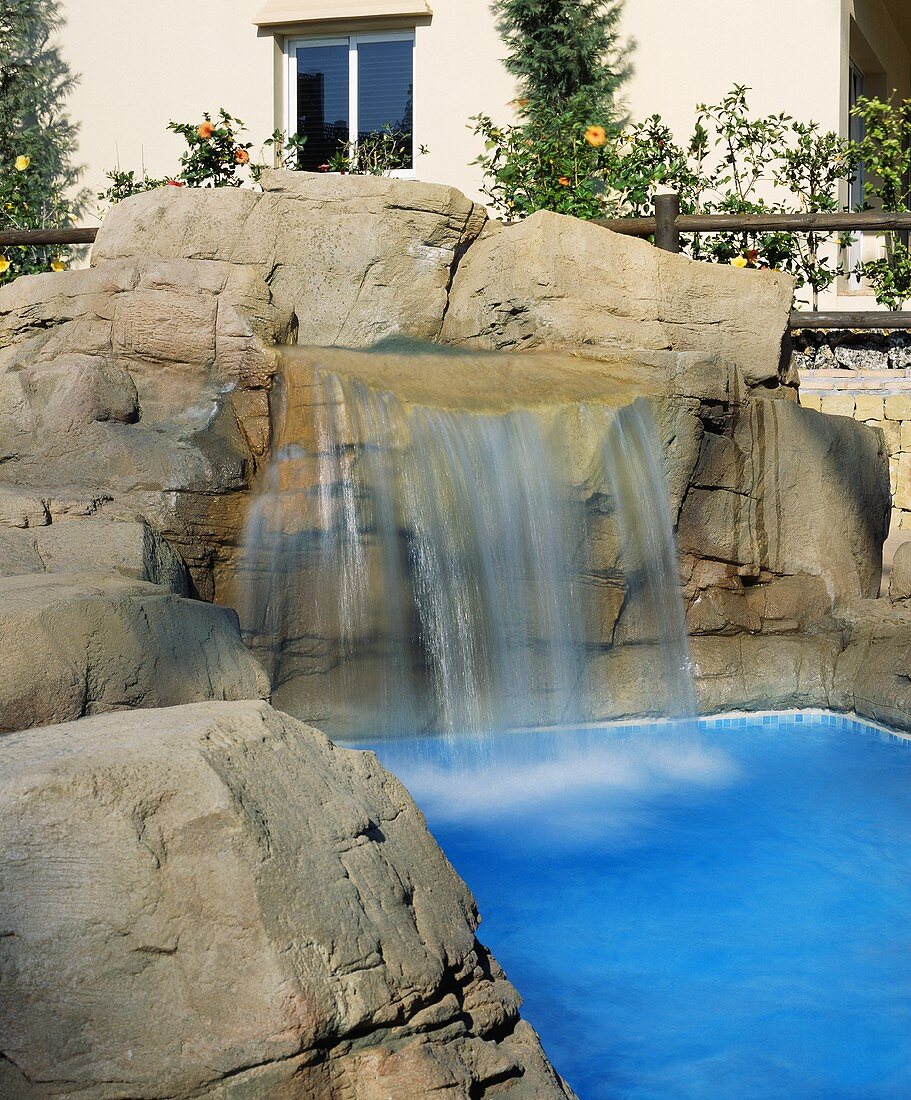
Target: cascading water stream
<point>635,472</point>
<point>411,568</point>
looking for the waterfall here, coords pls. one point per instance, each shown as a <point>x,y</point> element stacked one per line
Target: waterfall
<point>414,568</point>
<point>635,473</point>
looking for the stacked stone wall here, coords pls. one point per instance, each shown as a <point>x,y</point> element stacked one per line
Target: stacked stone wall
<point>867,376</point>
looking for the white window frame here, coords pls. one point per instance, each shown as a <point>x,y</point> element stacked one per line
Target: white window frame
<point>292,45</point>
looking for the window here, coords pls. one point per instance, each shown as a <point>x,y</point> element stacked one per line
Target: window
<point>343,90</point>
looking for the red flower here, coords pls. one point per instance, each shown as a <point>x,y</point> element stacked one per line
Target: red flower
<point>323,168</point>
<point>174,183</point>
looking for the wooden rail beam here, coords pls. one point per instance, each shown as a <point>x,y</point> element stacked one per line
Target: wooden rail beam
<point>869,221</point>
<point>869,319</point>
<point>13,237</point>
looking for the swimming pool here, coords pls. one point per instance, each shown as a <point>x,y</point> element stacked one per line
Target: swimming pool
<point>723,912</point>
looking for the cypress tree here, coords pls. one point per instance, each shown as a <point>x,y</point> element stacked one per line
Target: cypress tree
<point>37,138</point>
<point>567,55</point>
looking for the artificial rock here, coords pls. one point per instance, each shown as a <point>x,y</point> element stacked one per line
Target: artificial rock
<point>555,281</point>
<point>213,901</point>
<point>156,857</point>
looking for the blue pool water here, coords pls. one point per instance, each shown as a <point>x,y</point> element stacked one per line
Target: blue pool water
<point>725,914</point>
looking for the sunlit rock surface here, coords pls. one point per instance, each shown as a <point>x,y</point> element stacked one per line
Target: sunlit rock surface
<point>214,901</point>
<point>274,907</point>
<point>556,281</point>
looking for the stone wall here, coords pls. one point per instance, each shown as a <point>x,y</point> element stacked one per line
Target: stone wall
<point>866,376</point>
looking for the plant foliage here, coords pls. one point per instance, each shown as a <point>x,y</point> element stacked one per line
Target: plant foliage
<point>37,138</point>
<point>733,163</point>
<point>885,152</point>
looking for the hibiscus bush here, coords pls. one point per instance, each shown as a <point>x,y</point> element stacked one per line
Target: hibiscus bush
<point>734,163</point>
<point>215,156</point>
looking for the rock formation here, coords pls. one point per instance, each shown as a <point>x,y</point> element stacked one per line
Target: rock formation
<point>214,901</point>
<point>281,898</point>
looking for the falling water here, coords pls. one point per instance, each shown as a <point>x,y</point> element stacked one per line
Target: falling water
<point>414,568</point>
<point>635,472</point>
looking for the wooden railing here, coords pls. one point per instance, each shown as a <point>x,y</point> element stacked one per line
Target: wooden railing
<point>12,237</point>
<point>666,225</point>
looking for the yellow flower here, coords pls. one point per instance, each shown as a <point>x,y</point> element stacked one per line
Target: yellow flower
<point>22,163</point>
<point>5,265</point>
<point>596,136</point>
<point>57,264</point>
<point>739,261</point>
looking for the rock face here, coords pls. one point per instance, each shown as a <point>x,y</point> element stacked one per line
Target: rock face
<point>145,380</point>
<point>353,262</point>
<point>280,898</point>
<point>77,644</point>
<point>213,901</point>
<point>555,281</point>
<point>780,515</point>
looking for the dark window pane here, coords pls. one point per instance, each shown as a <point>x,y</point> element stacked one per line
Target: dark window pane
<point>384,89</point>
<point>322,102</point>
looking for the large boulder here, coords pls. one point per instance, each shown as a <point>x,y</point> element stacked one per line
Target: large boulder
<point>553,281</point>
<point>791,492</point>
<point>92,545</point>
<point>354,259</point>
<point>213,901</point>
<point>77,644</point>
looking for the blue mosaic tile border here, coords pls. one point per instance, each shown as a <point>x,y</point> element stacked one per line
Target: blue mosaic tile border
<point>849,723</point>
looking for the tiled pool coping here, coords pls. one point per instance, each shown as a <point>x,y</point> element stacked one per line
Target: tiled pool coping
<point>740,719</point>
<point>732,719</point>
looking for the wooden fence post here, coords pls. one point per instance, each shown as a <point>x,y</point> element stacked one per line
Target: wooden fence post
<point>667,210</point>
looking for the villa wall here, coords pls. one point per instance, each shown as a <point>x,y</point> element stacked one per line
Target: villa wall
<point>865,376</point>
<point>141,65</point>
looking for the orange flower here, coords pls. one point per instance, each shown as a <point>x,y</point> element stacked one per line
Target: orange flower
<point>205,130</point>
<point>596,136</point>
<point>563,181</point>
<point>241,156</point>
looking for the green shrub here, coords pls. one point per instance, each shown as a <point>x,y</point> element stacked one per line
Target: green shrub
<point>885,152</point>
<point>731,163</point>
<point>215,156</point>
<point>37,138</point>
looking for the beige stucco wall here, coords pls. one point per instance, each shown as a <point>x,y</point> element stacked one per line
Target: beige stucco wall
<point>691,51</point>
<point>142,64</point>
